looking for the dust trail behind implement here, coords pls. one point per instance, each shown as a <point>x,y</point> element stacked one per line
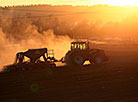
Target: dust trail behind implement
<point>8,49</point>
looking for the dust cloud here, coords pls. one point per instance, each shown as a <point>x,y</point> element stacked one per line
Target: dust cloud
<point>25,36</point>
<point>21,29</point>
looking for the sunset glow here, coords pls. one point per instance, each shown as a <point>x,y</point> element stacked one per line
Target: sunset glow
<point>70,2</point>
<point>122,2</point>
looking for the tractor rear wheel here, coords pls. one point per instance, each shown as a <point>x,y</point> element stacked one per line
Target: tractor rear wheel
<point>75,58</point>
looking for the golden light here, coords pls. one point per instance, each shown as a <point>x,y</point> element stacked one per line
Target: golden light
<point>120,2</point>
<point>71,2</point>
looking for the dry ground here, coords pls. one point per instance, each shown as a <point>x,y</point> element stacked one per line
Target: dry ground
<point>115,81</point>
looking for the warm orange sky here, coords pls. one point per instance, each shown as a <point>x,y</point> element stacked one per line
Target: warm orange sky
<point>70,2</point>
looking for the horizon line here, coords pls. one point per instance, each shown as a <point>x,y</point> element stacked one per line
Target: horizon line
<point>68,5</point>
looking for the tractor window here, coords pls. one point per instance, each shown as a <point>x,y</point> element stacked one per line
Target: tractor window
<point>84,46</point>
<point>72,46</point>
<point>77,46</point>
<point>80,46</point>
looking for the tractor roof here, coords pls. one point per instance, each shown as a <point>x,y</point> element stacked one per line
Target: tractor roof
<point>79,42</point>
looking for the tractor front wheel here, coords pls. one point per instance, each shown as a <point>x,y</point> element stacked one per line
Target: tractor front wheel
<point>98,59</point>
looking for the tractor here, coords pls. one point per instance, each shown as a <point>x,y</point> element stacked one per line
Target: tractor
<point>80,52</point>
<point>32,58</point>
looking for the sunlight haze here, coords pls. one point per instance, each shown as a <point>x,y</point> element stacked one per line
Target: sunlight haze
<point>70,2</point>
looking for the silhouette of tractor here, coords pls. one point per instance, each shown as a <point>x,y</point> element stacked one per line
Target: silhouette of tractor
<point>41,58</point>
<point>81,52</point>
<point>36,58</point>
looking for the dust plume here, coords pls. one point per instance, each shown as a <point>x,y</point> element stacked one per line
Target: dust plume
<point>26,36</point>
<point>23,28</point>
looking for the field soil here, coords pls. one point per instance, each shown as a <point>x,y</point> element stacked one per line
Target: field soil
<point>114,81</point>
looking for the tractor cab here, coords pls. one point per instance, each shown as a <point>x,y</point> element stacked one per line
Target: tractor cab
<point>79,45</point>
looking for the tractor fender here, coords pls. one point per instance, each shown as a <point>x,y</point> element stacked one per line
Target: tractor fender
<point>92,53</point>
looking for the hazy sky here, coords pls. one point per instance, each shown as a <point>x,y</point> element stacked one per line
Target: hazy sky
<point>69,2</point>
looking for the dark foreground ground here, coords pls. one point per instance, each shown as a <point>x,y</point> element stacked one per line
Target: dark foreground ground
<point>115,81</point>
